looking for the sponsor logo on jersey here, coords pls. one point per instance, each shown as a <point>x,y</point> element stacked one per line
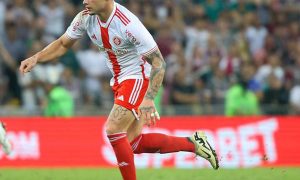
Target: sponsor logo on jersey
<point>117,52</point>
<point>132,38</point>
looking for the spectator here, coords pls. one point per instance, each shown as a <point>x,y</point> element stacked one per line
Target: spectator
<point>231,61</point>
<point>196,35</point>
<point>6,62</point>
<point>295,100</point>
<point>248,71</point>
<point>151,23</point>
<point>19,13</point>
<point>183,92</point>
<point>59,101</point>
<point>4,95</point>
<point>94,67</point>
<point>276,97</point>
<point>71,83</point>
<point>224,34</point>
<point>255,34</point>
<point>16,50</point>
<point>54,13</point>
<point>31,82</point>
<point>240,100</point>
<point>295,68</point>
<point>164,39</point>
<point>14,45</point>
<point>273,66</point>
<point>2,19</point>
<point>213,9</point>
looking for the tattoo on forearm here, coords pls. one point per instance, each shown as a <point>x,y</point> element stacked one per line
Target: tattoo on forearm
<point>157,73</point>
<point>147,109</point>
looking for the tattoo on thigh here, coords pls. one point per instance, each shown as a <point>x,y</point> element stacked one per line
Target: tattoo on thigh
<point>119,112</point>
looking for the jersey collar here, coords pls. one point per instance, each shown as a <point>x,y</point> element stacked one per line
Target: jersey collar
<point>106,24</point>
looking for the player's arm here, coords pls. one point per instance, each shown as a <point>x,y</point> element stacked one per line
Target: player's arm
<point>54,50</point>
<point>58,47</point>
<point>157,73</point>
<point>147,108</point>
<point>146,47</point>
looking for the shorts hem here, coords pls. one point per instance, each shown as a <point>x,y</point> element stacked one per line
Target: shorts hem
<point>129,107</point>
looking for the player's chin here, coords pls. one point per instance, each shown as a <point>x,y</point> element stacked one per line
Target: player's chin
<point>91,13</point>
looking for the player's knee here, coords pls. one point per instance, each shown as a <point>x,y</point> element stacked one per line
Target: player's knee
<point>132,134</point>
<point>112,128</point>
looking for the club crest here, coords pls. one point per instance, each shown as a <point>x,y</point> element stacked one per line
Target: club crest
<point>117,41</point>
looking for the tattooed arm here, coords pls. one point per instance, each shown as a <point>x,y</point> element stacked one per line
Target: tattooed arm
<point>157,73</point>
<point>147,107</point>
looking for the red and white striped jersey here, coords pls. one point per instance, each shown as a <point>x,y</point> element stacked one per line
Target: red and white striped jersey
<point>122,38</point>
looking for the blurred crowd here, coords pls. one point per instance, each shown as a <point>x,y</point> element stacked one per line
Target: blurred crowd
<point>243,55</point>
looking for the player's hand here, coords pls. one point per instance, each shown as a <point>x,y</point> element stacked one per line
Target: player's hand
<point>28,64</point>
<point>148,113</point>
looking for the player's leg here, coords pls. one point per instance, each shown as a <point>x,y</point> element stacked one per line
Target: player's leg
<point>153,142</point>
<point>117,125</point>
<point>156,142</point>
<point>119,120</point>
<point>162,143</point>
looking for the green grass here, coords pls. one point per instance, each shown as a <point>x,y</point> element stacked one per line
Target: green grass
<point>152,174</point>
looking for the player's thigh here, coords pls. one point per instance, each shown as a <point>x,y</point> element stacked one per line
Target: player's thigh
<point>119,119</point>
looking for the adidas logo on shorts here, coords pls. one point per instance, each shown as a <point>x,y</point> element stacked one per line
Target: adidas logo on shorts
<point>121,98</point>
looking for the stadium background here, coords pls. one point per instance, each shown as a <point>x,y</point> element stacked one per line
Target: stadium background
<point>226,58</point>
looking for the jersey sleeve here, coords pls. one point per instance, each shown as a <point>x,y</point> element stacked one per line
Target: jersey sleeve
<point>77,27</point>
<point>139,36</point>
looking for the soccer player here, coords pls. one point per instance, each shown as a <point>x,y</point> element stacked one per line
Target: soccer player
<point>138,69</point>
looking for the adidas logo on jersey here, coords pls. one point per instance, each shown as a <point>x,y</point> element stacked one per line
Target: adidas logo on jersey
<point>121,98</point>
